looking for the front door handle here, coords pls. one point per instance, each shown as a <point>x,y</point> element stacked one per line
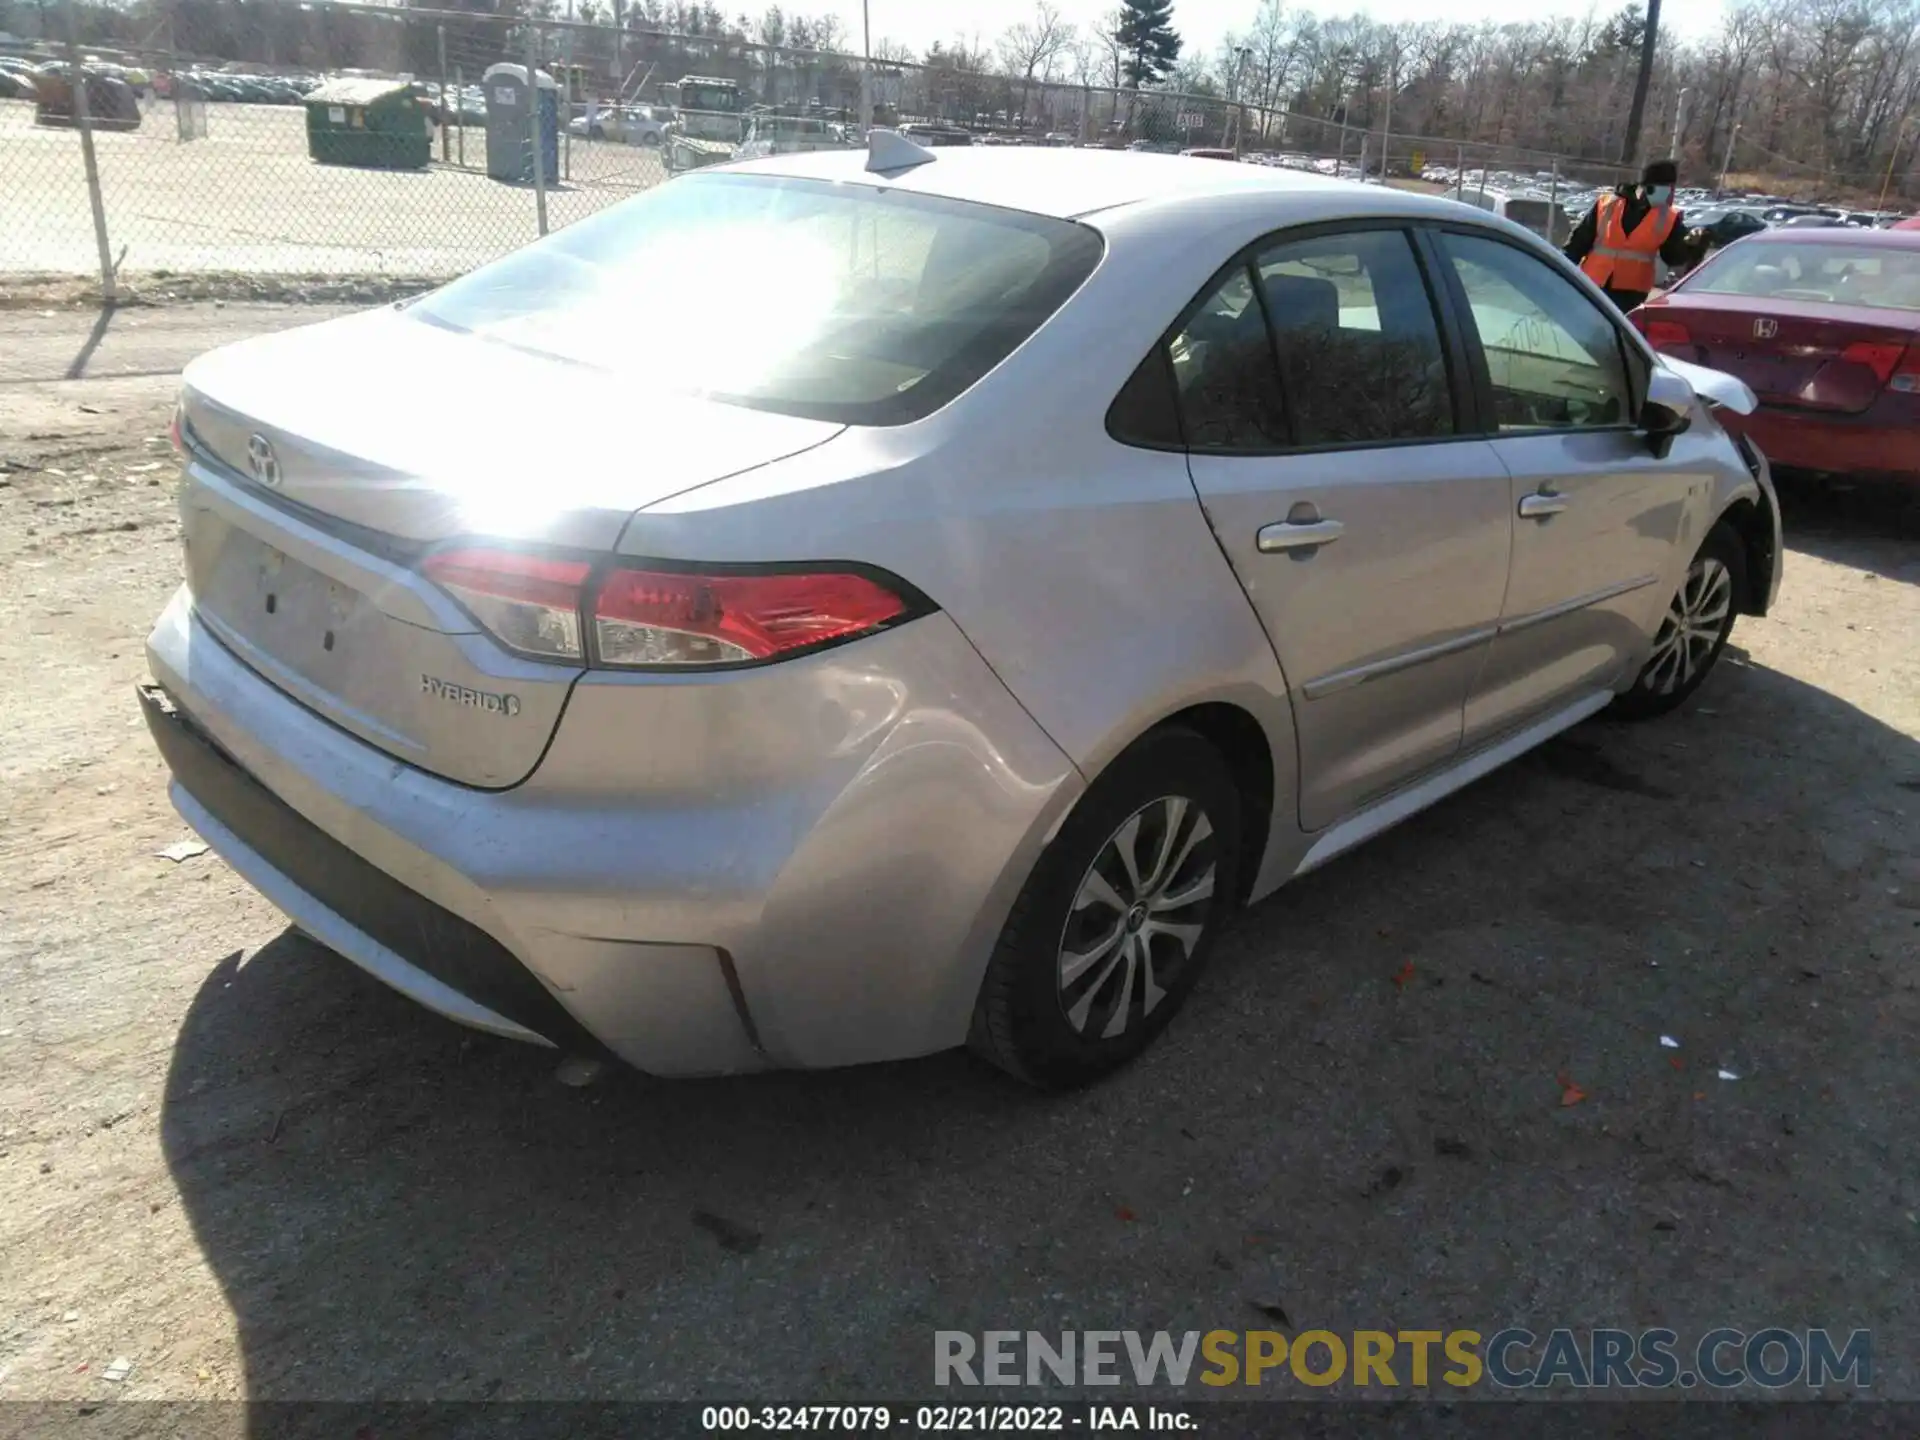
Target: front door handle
<point>1298,535</point>
<point>1541,504</point>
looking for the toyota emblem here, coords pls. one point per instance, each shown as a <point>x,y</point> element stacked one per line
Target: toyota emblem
<point>261,460</point>
<point>1765,329</point>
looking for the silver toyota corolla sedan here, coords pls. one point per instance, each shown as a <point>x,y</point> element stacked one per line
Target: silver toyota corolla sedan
<point>849,605</point>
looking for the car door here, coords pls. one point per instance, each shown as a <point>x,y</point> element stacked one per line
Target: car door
<point>1367,525</point>
<point>1597,515</point>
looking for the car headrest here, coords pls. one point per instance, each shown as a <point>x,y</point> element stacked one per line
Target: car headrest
<point>1300,302</point>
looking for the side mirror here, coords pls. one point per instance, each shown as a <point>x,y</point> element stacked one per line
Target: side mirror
<point>1667,413</point>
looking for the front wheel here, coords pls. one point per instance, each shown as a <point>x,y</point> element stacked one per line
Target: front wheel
<point>1116,921</point>
<point>1693,632</point>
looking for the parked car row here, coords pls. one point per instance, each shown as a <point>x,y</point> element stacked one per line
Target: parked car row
<point>243,89</point>
<point>458,104</point>
<point>17,74</point>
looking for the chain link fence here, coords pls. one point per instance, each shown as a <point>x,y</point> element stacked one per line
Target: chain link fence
<point>350,141</point>
<point>366,141</point>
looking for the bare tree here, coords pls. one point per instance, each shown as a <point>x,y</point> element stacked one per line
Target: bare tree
<point>1034,46</point>
<point>1108,34</point>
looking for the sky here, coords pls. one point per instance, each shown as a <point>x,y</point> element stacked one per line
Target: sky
<point>1202,23</point>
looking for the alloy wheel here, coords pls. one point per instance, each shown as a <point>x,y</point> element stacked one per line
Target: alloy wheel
<point>1137,916</point>
<point>1692,628</point>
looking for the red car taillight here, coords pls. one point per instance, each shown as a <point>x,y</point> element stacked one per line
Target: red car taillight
<point>1895,365</point>
<point>1662,333</point>
<point>1906,375</point>
<point>652,617</point>
<point>1878,356</point>
<point>547,608</point>
<point>531,603</point>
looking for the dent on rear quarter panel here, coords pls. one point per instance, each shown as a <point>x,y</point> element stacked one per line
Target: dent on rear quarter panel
<point>850,827</point>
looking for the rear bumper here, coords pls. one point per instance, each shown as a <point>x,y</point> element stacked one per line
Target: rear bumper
<point>1866,445</point>
<point>833,916</point>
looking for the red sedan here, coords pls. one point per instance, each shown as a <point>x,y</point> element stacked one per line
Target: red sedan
<point>1824,326</point>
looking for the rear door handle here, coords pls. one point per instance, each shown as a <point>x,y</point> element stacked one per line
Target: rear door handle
<point>1541,504</point>
<point>1298,535</point>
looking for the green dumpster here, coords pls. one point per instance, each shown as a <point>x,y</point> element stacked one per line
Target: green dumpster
<point>379,123</point>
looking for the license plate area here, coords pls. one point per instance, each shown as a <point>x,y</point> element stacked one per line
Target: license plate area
<point>307,621</point>
<point>341,651</point>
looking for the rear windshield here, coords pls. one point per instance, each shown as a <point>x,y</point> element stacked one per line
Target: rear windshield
<point>1817,270</point>
<point>846,303</point>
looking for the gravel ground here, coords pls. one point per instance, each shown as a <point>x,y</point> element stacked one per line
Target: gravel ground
<point>235,1161</point>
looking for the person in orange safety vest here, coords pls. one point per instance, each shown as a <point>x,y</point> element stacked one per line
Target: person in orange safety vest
<point>1617,243</point>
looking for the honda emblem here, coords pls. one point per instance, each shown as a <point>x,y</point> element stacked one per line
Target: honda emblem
<point>1765,329</point>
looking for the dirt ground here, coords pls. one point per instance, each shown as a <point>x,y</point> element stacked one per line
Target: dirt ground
<point>236,1162</point>
<point>248,198</point>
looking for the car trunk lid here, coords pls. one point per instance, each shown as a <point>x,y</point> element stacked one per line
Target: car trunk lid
<point>1794,354</point>
<point>326,463</point>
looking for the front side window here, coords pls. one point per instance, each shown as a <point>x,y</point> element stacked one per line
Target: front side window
<point>1360,353</point>
<point>846,303</point>
<point>1554,361</point>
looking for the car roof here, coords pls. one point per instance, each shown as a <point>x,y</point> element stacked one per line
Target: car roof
<point>1845,234</point>
<point>1063,183</point>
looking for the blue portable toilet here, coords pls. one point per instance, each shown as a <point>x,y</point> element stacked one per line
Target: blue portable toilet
<point>509,146</point>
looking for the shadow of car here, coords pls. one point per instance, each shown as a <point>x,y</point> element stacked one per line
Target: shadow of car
<point>393,1206</point>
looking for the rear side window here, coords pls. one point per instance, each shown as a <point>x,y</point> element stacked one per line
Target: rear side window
<point>1224,373</point>
<point>846,303</point>
<point>1359,349</point>
<point>1146,412</point>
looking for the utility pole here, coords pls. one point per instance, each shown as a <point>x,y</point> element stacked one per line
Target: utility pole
<point>1727,163</point>
<point>1679,122</point>
<point>866,67</point>
<point>1235,109</point>
<point>1346,105</point>
<point>1636,113</point>
<point>1899,134</point>
<point>1386,129</point>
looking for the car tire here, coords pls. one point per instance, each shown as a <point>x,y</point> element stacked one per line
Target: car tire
<point>594,132</point>
<point>1693,630</point>
<point>1079,982</point>
<point>650,140</point>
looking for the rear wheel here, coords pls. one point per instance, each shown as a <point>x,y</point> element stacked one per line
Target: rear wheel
<point>1693,632</point>
<point>1117,919</point>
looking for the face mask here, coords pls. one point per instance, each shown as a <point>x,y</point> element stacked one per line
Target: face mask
<point>1659,194</point>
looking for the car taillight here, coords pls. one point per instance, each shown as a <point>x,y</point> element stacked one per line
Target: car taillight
<point>1661,333</point>
<point>531,603</point>
<point>656,617</point>
<point>545,607</point>
<point>1878,356</point>
<point>177,431</point>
